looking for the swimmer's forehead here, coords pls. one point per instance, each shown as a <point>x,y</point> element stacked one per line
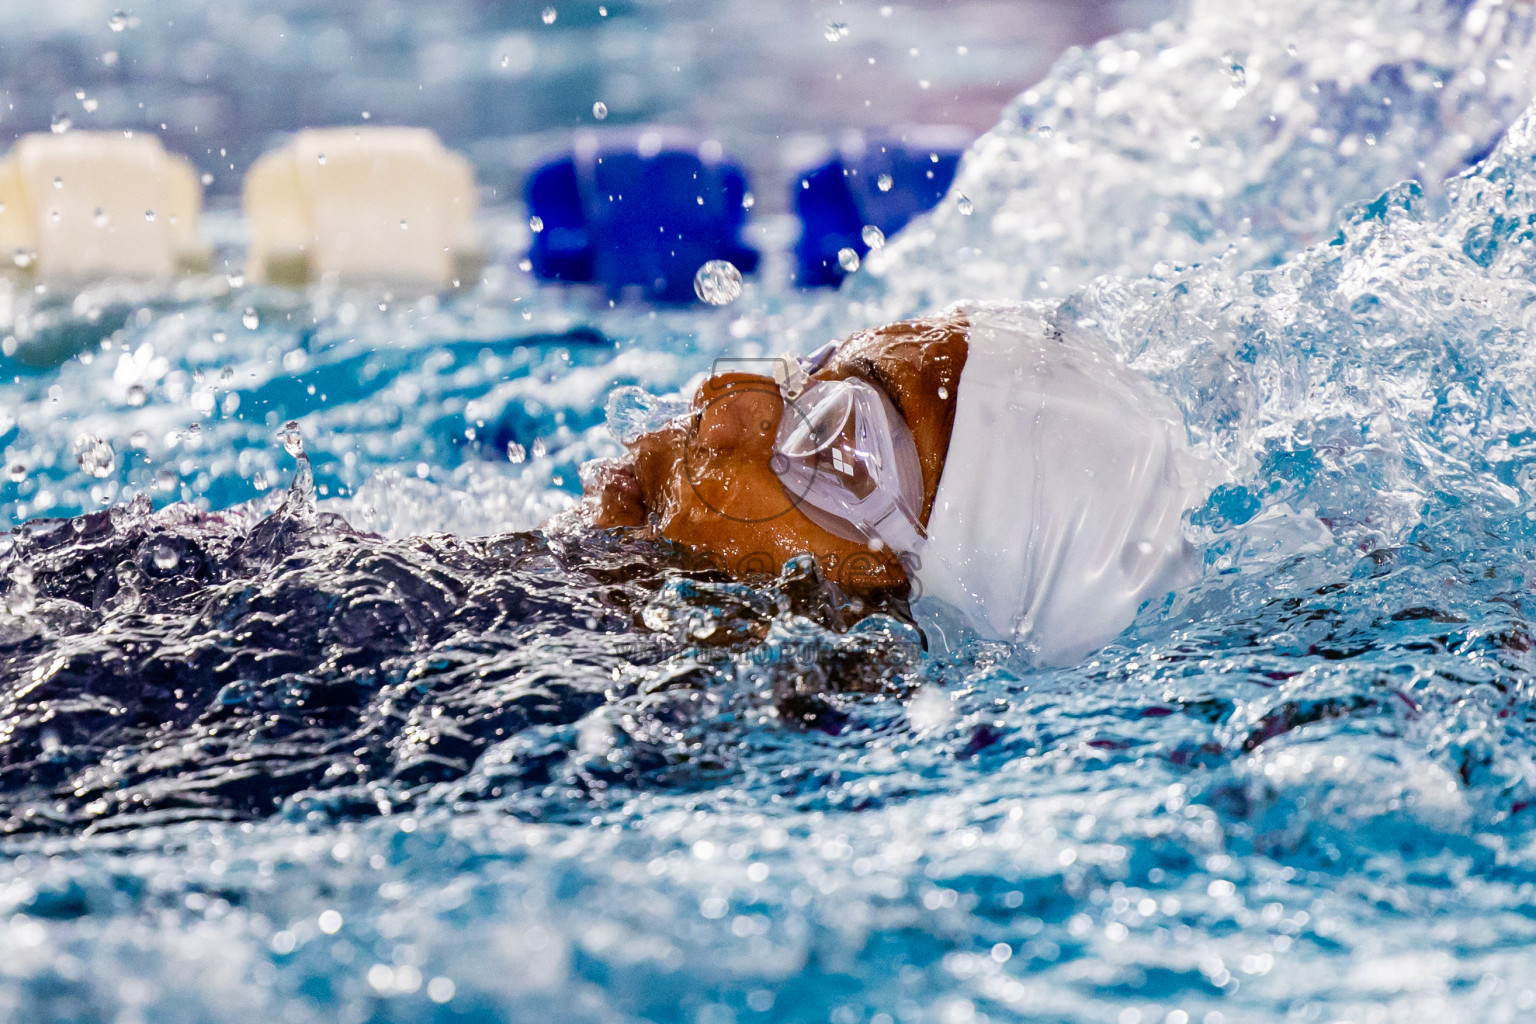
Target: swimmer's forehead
<point>731,388</point>
<point>772,367</point>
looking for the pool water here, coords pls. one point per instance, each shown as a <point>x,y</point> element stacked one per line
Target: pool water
<point>318,724</point>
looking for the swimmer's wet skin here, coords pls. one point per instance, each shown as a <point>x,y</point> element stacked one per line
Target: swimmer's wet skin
<point>706,481</point>
<point>1057,518</point>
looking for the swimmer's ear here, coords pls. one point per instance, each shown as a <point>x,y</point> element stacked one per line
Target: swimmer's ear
<point>737,413</point>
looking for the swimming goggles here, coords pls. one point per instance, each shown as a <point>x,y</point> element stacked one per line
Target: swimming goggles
<point>846,458</point>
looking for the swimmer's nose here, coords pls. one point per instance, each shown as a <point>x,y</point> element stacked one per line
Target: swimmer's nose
<point>83,206</point>
<point>373,205</point>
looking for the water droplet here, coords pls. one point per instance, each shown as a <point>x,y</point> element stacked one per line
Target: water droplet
<point>599,110</point>
<point>22,598</point>
<point>834,31</point>
<point>89,105</point>
<point>320,159</point>
<point>165,557</point>
<point>602,12</point>
<point>943,394</point>
<point>139,439</point>
<point>292,438</point>
<point>873,236</point>
<point>58,182</point>
<point>748,200</point>
<point>549,15</point>
<point>17,472</point>
<point>535,224</point>
<point>101,217</point>
<point>966,206</point>
<point>250,319</point>
<point>236,279</point>
<point>22,258</point>
<point>538,448</point>
<point>61,124</point>
<point>94,456</point>
<point>1194,141</point>
<point>516,453</point>
<point>1045,131</point>
<point>137,395</point>
<point>717,283</point>
<point>195,433</point>
<point>884,182</point>
<point>631,412</point>
<point>149,215</point>
<point>848,259</point>
<point>227,376</point>
<point>404,226</point>
<point>118,21</point>
<point>165,480</point>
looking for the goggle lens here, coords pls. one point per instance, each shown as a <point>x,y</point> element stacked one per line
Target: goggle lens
<point>815,420</point>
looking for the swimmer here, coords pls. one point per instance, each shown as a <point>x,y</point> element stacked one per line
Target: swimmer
<point>1029,489</point>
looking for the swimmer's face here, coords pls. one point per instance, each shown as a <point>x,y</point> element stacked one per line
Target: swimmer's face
<point>705,482</point>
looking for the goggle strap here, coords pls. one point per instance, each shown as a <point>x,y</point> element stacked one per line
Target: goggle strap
<point>819,358</point>
<point>896,528</point>
<point>793,373</point>
<point>791,376</point>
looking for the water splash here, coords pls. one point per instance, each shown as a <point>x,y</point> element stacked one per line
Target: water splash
<point>1303,790</point>
<point>94,456</point>
<point>1365,382</point>
<point>300,502</point>
<point>1092,171</point>
<point>427,654</point>
<point>632,411</point>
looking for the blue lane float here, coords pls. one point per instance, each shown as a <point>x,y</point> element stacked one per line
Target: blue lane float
<point>638,211</point>
<point>882,183</point>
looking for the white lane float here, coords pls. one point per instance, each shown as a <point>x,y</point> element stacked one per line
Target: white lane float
<point>87,206</point>
<point>375,205</point>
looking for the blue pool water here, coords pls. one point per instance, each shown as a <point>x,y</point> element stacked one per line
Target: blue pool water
<point>367,745</point>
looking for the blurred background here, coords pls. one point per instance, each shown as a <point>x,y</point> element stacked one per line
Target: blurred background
<point>506,80</point>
